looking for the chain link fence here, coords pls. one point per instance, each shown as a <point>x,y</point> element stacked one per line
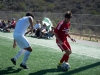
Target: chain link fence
<point>86,26</point>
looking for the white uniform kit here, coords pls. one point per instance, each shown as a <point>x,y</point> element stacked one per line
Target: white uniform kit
<point>19,38</point>
<point>20,29</point>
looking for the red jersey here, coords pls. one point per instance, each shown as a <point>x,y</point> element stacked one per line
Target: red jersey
<point>62,30</point>
<point>13,23</point>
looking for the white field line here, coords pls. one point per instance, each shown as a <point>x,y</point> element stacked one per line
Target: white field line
<point>53,48</point>
<point>32,43</point>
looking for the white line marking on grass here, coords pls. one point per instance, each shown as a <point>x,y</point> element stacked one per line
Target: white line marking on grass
<point>32,43</point>
<point>54,48</point>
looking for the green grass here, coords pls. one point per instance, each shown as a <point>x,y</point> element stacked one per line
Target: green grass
<point>43,61</point>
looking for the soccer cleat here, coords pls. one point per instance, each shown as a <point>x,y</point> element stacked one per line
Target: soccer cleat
<point>59,65</point>
<point>13,61</point>
<point>24,66</point>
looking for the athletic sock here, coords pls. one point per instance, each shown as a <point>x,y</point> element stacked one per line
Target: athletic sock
<point>64,58</point>
<point>26,55</point>
<point>19,54</point>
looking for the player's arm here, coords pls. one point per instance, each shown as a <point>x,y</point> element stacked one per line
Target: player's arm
<point>57,37</point>
<point>13,23</point>
<point>31,24</point>
<point>71,38</point>
<point>14,44</point>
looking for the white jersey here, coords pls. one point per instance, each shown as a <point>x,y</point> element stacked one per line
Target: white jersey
<point>37,26</point>
<point>22,25</point>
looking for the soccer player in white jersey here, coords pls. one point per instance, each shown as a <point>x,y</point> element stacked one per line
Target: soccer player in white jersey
<point>19,38</point>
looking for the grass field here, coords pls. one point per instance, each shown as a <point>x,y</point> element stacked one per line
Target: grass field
<point>43,59</point>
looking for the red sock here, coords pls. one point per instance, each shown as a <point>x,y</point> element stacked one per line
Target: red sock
<point>64,58</point>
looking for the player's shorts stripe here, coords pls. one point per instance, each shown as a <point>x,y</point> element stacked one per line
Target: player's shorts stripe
<point>60,46</point>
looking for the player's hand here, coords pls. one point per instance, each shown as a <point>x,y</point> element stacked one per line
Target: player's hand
<point>73,39</point>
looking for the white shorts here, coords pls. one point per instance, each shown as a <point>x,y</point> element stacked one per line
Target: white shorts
<point>21,40</point>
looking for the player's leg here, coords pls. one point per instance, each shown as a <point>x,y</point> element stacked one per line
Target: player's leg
<point>67,51</point>
<point>26,56</point>
<point>19,42</point>
<point>23,43</point>
<point>65,47</point>
<point>62,59</point>
<point>17,56</point>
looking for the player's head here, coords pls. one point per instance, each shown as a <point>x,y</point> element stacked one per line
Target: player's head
<point>68,16</point>
<point>30,14</point>
<point>38,21</point>
<point>13,19</point>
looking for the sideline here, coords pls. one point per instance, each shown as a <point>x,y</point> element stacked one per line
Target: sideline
<point>52,44</point>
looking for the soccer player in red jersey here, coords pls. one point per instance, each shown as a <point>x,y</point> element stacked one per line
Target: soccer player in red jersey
<point>61,34</point>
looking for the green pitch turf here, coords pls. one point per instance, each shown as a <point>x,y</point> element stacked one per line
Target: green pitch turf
<point>43,61</point>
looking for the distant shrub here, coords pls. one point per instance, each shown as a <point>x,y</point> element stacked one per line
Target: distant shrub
<point>1,6</point>
<point>94,12</point>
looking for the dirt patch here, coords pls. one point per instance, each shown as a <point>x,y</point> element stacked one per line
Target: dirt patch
<point>94,39</point>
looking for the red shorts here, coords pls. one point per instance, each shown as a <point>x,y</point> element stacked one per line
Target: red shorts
<point>65,46</point>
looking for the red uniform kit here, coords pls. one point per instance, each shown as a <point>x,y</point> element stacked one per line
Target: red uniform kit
<point>62,30</point>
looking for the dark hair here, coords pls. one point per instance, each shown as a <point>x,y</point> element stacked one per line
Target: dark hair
<point>8,20</point>
<point>68,14</point>
<point>30,14</point>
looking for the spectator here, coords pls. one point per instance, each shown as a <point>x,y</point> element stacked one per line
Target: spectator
<point>13,23</point>
<point>36,28</point>
<point>50,33</point>
<point>10,25</point>
<point>2,25</point>
<point>43,31</point>
<point>6,28</point>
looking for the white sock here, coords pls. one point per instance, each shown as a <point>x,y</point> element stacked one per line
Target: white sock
<point>19,54</point>
<point>26,55</point>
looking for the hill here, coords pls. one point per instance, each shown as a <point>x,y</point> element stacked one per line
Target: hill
<point>76,6</point>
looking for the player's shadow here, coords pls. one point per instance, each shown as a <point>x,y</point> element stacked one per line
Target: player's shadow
<point>43,72</point>
<point>40,38</point>
<point>70,72</point>
<point>81,68</point>
<point>9,70</point>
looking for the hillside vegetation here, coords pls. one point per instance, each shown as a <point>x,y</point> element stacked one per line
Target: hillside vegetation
<point>58,6</point>
<point>86,13</point>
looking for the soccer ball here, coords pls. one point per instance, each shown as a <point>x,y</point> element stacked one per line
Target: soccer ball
<point>65,66</point>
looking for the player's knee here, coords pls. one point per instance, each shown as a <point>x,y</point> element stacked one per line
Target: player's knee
<point>29,49</point>
<point>68,52</point>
